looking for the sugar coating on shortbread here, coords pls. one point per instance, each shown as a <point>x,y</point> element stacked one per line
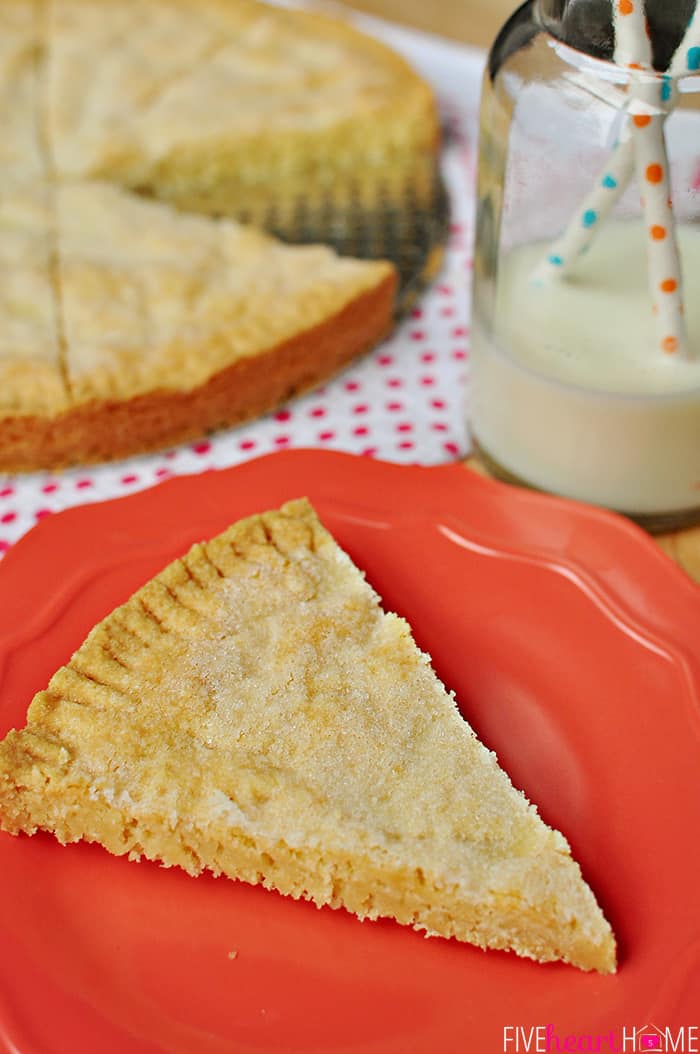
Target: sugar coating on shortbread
<point>253,711</point>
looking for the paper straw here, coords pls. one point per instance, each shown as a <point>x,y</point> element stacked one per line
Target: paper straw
<point>645,152</point>
<point>687,57</point>
<point>633,48</point>
<point>565,252</point>
<point>663,256</point>
<point>632,44</point>
<point>614,178</point>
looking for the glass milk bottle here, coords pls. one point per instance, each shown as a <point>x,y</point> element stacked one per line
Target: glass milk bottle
<point>586,335</point>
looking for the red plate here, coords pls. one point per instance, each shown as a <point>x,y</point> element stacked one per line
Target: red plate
<point>572,645</point>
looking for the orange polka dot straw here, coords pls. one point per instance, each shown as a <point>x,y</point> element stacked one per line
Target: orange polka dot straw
<point>632,44</point>
<point>663,255</point>
<point>633,48</point>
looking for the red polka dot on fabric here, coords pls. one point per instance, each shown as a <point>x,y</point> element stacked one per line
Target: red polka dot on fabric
<point>6,492</point>
<point>417,334</point>
<point>428,356</point>
<point>451,448</point>
<point>318,411</point>
<point>438,404</point>
<point>202,448</point>
<point>360,408</point>
<point>445,290</point>
<point>163,473</point>
<point>406,444</point>
<point>49,488</point>
<point>428,381</point>
<point>83,484</point>
<point>417,312</point>
<point>369,451</point>
<point>405,426</point>
<point>460,331</point>
<point>394,382</point>
<point>439,426</point>
<point>247,444</point>
<point>385,360</point>
<point>360,430</point>
<point>447,312</point>
<point>281,440</point>
<point>4,546</point>
<point>8,517</point>
<point>131,478</point>
<point>459,354</point>
<point>325,437</point>
<point>41,514</point>
<point>352,386</point>
<point>283,415</point>
<point>393,407</point>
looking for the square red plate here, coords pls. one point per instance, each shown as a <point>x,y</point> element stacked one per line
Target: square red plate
<point>573,647</point>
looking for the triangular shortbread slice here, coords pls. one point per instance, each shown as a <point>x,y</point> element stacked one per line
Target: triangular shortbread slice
<point>158,301</point>
<point>172,325</point>
<point>253,711</point>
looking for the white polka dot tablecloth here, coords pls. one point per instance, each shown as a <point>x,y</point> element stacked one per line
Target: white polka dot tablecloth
<point>404,402</point>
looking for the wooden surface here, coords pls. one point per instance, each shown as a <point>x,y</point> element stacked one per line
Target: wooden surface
<point>471,21</point>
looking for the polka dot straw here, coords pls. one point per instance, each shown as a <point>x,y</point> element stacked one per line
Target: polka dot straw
<point>564,254</point>
<point>633,48</point>
<point>643,149</point>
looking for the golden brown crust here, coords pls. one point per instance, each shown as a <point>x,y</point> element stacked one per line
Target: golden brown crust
<point>102,430</point>
<point>142,314</point>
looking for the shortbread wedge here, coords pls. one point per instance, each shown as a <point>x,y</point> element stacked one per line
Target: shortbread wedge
<point>254,712</point>
<point>233,107</point>
<point>173,325</point>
